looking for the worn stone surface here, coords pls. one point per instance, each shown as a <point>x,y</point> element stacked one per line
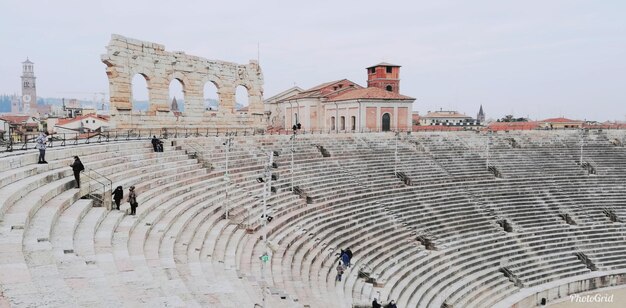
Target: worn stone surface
<point>127,57</point>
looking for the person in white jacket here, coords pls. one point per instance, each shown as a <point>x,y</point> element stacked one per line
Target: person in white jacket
<point>42,142</point>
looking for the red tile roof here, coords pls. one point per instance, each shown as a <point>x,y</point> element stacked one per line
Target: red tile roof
<point>513,125</point>
<point>560,120</point>
<point>15,119</point>
<point>370,93</point>
<point>78,118</point>
<point>383,64</point>
<point>326,90</point>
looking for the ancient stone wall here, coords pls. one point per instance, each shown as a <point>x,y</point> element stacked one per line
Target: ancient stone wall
<point>127,57</point>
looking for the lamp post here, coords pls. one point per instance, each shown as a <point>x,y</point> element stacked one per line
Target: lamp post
<point>227,174</point>
<point>9,137</point>
<point>488,143</point>
<point>582,136</point>
<point>293,140</point>
<point>267,190</point>
<point>395,161</point>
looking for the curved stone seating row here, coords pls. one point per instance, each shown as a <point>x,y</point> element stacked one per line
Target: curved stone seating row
<point>181,251</point>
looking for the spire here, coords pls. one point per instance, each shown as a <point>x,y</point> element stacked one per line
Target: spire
<point>481,115</point>
<point>174,104</point>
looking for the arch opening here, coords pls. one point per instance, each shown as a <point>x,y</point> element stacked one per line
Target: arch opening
<point>242,97</point>
<point>139,93</point>
<point>386,122</point>
<point>211,96</point>
<point>176,100</point>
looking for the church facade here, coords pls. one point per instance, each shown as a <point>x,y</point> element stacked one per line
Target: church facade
<point>345,106</point>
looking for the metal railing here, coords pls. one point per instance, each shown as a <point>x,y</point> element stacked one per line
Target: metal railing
<point>99,188</point>
<point>19,141</point>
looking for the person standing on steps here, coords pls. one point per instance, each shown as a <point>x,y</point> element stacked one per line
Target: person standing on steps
<point>349,253</point>
<point>132,199</point>
<point>77,167</point>
<point>375,304</point>
<point>339,271</point>
<point>42,142</point>
<point>118,195</point>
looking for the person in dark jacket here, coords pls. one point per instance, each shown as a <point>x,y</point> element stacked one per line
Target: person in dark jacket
<point>349,253</point>
<point>392,304</point>
<point>118,195</point>
<point>345,258</point>
<point>77,167</point>
<point>132,199</point>
<point>155,143</point>
<point>375,304</point>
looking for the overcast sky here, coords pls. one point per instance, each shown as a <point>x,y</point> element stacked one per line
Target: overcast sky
<point>529,58</point>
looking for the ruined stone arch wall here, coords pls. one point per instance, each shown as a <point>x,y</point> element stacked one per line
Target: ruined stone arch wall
<point>127,57</point>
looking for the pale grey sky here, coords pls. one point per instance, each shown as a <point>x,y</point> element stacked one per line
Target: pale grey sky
<point>530,58</point>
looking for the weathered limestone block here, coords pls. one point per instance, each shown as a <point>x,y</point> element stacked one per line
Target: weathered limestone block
<point>127,57</point>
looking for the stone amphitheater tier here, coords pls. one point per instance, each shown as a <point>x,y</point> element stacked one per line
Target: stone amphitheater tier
<point>457,226</point>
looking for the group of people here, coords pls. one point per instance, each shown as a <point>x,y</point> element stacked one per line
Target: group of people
<point>118,195</point>
<point>345,256</point>
<point>77,167</point>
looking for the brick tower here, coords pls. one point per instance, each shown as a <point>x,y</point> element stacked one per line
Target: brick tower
<point>385,76</point>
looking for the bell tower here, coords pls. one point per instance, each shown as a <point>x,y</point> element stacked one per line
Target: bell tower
<point>385,76</point>
<point>29,90</point>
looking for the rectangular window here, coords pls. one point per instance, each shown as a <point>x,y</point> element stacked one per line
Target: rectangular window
<point>388,69</point>
<point>373,70</point>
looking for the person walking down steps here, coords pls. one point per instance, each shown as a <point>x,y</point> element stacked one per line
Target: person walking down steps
<point>118,195</point>
<point>77,167</point>
<point>132,199</point>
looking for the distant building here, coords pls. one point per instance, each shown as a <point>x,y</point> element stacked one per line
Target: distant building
<point>448,118</point>
<point>20,125</point>
<point>16,105</point>
<point>481,115</point>
<point>415,118</point>
<point>343,105</point>
<point>274,111</point>
<point>174,106</point>
<point>79,124</point>
<point>560,123</point>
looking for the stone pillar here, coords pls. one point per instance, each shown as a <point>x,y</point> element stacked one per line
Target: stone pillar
<point>159,96</point>
<point>227,99</point>
<point>194,102</point>
<point>120,92</point>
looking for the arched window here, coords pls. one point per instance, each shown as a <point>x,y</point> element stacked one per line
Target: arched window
<point>389,88</point>
<point>176,100</point>
<point>139,95</point>
<point>332,123</point>
<point>386,122</point>
<point>353,122</point>
<point>343,123</point>
<point>241,98</point>
<point>211,98</point>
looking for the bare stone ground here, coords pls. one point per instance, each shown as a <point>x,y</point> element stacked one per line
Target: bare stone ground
<point>619,299</point>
